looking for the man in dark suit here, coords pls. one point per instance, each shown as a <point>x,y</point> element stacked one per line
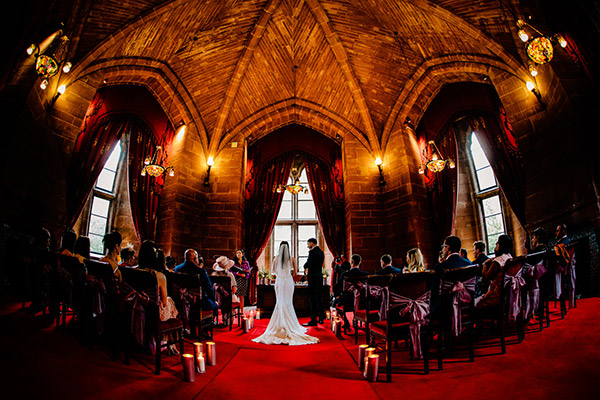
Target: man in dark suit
<point>313,270</point>
<point>451,259</point>
<point>193,265</point>
<point>386,266</point>
<point>354,271</point>
<point>479,253</point>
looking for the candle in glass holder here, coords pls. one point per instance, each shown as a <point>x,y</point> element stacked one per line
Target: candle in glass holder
<point>257,313</point>
<point>211,354</point>
<point>189,374</point>
<point>368,352</point>
<point>198,351</point>
<point>361,356</point>
<point>200,364</point>
<point>372,370</point>
<point>328,314</point>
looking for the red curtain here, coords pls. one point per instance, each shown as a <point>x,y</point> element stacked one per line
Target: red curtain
<point>144,191</point>
<point>494,132</point>
<point>262,206</point>
<point>93,147</point>
<point>326,188</point>
<point>441,186</point>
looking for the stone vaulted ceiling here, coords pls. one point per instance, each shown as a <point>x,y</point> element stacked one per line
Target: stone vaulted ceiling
<point>235,60</point>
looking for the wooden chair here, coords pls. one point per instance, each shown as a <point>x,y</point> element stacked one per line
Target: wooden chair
<point>72,281</point>
<point>511,276</point>
<point>186,292</point>
<point>373,298</point>
<point>146,290</point>
<point>442,322</point>
<point>568,283</point>
<point>223,296</point>
<point>352,297</point>
<point>408,294</point>
<point>101,302</point>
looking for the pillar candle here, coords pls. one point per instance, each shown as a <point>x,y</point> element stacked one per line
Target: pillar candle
<point>198,351</point>
<point>200,364</point>
<point>333,325</point>
<point>211,354</point>
<point>338,327</point>
<point>361,356</point>
<point>189,374</point>
<point>368,352</point>
<point>372,370</point>
<point>257,313</point>
<point>245,324</point>
<point>251,321</point>
<point>328,314</point>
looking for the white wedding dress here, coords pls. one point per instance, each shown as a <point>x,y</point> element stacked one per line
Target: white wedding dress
<point>284,327</point>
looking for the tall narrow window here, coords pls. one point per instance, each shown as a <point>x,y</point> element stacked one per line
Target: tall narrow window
<point>488,195</point>
<point>103,196</point>
<point>296,222</point>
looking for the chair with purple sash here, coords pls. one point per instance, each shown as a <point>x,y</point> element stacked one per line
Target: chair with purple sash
<point>568,279</point>
<point>534,271</point>
<point>101,307</point>
<point>141,298</point>
<point>223,297</point>
<point>353,298</point>
<point>513,293</point>
<point>73,292</point>
<point>376,288</point>
<point>186,292</point>
<point>456,303</point>
<point>407,308</point>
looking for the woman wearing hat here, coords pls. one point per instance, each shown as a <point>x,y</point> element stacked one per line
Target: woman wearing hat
<point>241,271</point>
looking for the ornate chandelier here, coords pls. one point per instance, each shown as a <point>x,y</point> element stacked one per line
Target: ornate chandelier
<point>47,62</point>
<point>435,162</point>
<point>155,166</point>
<point>293,189</point>
<point>539,46</point>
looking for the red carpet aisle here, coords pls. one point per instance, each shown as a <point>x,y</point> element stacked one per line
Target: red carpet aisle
<point>258,371</point>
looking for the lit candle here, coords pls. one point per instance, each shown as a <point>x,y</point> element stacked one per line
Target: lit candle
<point>189,375</point>
<point>333,325</point>
<point>211,354</point>
<point>257,313</point>
<point>361,356</point>
<point>369,351</point>
<point>338,327</point>
<point>198,352</point>
<point>245,324</point>
<point>372,370</point>
<point>201,366</point>
<point>251,321</point>
<point>328,314</point>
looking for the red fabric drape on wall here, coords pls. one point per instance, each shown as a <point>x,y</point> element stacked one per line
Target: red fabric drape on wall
<point>494,132</point>
<point>93,147</point>
<point>144,191</point>
<point>262,206</point>
<point>326,188</point>
<point>441,186</point>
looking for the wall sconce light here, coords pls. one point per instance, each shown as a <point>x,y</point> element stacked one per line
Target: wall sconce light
<point>531,87</point>
<point>210,162</point>
<point>59,91</point>
<point>50,57</point>
<point>379,164</point>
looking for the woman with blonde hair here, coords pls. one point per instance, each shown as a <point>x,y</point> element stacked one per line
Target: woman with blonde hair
<point>414,258</point>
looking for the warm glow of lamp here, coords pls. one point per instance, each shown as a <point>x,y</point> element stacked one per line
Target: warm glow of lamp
<point>61,89</point>
<point>523,35</point>
<point>44,84</point>
<point>533,70</point>
<point>562,41</point>
<point>434,162</point>
<point>378,161</point>
<point>530,85</point>
<point>67,67</point>
<point>210,162</point>
<point>155,166</point>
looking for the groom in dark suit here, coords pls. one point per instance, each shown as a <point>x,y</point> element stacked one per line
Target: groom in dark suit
<point>313,270</point>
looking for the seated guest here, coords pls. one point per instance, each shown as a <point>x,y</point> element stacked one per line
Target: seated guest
<point>561,235</point>
<point>82,248</point>
<point>414,259</point>
<point>354,271</point>
<point>148,260</point>
<point>464,254</point>
<point>492,272</point>
<point>479,253</point>
<point>451,259</point>
<point>112,248</point>
<point>170,263</point>
<point>67,243</point>
<point>222,267</point>
<point>193,265</point>
<point>386,266</point>
<point>128,257</point>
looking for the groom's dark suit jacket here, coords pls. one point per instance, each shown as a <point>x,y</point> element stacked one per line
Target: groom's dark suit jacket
<point>314,263</point>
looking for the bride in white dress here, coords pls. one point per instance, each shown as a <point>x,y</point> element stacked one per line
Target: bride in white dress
<point>284,327</point>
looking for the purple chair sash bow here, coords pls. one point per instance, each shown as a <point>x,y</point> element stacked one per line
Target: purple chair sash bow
<point>460,296</point>
<point>418,310</point>
<point>138,302</point>
<point>220,293</point>
<point>357,288</point>
<point>186,299</point>
<point>532,299</point>
<point>572,277</point>
<point>97,289</point>
<point>514,283</point>
<point>383,293</point>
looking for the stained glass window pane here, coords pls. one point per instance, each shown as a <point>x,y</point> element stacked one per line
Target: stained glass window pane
<point>494,224</point>
<point>97,225</point>
<point>491,206</point>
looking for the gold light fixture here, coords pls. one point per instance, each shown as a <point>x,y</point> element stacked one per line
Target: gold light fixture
<point>435,162</point>
<point>294,188</point>
<point>209,163</point>
<point>379,164</point>
<point>155,166</point>
<point>50,57</point>
<point>539,46</point>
